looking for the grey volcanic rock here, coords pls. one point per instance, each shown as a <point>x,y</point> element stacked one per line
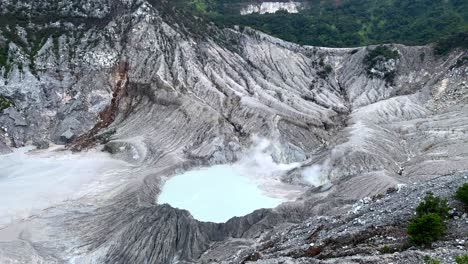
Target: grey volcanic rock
<point>360,235</point>
<point>4,149</point>
<point>16,116</point>
<point>168,92</point>
<point>183,237</point>
<point>67,136</point>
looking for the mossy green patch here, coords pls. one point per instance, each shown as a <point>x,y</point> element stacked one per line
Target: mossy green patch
<point>5,103</point>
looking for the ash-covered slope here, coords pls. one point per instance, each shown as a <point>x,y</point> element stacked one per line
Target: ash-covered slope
<point>165,91</point>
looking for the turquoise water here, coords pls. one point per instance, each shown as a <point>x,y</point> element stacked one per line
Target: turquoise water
<point>215,194</point>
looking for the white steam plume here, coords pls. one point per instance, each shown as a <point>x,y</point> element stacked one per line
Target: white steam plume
<point>314,175</point>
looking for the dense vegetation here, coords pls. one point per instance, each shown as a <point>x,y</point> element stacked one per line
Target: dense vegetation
<point>428,225</point>
<point>349,23</point>
<point>459,40</point>
<point>461,259</point>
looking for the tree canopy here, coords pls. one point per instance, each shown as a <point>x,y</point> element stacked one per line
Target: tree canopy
<point>350,23</point>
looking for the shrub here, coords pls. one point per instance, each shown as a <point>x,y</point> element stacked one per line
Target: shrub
<point>462,193</point>
<point>426,229</point>
<point>380,53</point>
<point>5,103</point>
<point>434,205</point>
<point>462,259</point>
<point>3,55</point>
<point>429,260</point>
<point>422,56</point>
<point>385,249</point>
<point>327,69</point>
<point>460,62</point>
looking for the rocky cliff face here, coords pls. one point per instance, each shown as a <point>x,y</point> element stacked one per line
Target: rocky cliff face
<point>166,91</point>
<point>271,7</point>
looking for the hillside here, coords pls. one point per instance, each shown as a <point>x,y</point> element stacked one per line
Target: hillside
<point>347,23</point>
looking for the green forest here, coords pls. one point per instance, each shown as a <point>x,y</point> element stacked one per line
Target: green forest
<point>348,23</point>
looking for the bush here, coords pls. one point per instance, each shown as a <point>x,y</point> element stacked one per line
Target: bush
<point>378,55</point>
<point>426,229</point>
<point>429,260</point>
<point>383,51</point>
<point>385,250</point>
<point>462,259</point>
<point>462,193</point>
<point>5,103</point>
<point>328,69</point>
<point>325,72</point>
<point>428,225</point>
<point>3,55</point>
<point>434,205</point>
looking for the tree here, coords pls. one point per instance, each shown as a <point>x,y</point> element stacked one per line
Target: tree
<point>354,22</point>
<point>428,225</point>
<point>462,193</point>
<point>462,259</point>
<point>426,229</point>
<point>433,204</point>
